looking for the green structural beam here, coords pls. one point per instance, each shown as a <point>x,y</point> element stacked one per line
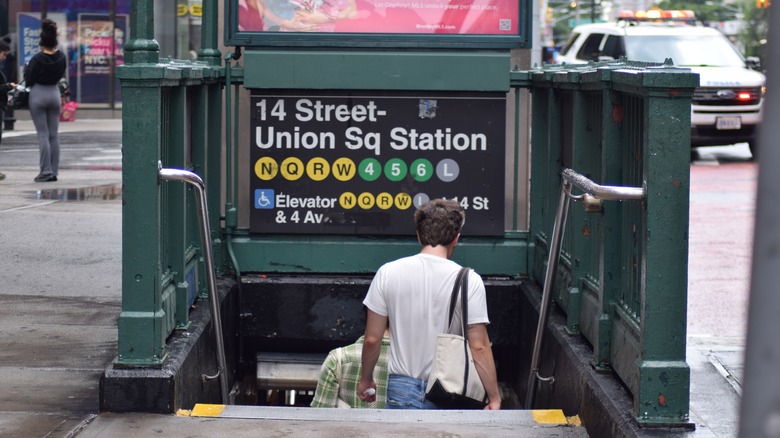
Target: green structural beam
<point>378,70</point>
<point>356,255</point>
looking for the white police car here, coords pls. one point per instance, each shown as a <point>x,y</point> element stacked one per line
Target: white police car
<point>727,106</point>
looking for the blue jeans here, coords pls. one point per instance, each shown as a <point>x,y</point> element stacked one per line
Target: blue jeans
<point>404,392</point>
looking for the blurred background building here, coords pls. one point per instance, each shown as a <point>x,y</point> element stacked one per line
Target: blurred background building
<point>93,34</point>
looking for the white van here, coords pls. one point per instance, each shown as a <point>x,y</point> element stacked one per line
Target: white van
<point>727,106</point>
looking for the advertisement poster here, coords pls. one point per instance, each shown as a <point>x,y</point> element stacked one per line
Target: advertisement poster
<point>361,162</point>
<point>97,42</point>
<point>458,17</point>
<point>29,25</point>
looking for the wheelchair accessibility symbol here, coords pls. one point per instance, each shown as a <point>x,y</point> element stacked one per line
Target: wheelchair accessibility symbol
<point>264,199</point>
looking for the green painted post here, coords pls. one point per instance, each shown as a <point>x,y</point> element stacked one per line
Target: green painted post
<point>199,127</point>
<point>213,171</point>
<point>586,225</point>
<point>664,376</point>
<point>209,118</point>
<point>176,208</point>
<point>550,177</point>
<point>540,101</point>
<point>141,47</point>
<point>140,322</point>
<point>578,242</point>
<point>140,336</point>
<point>208,51</point>
<point>609,227</point>
<point>554,157</point>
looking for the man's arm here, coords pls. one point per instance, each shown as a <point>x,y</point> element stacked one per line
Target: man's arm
<point>479,343</point>
<point>372,344</point>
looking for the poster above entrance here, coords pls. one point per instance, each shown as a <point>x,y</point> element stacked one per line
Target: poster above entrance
<point>394,22</point>
<point>384,16</point>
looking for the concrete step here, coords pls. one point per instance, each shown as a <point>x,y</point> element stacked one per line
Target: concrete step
<point>284,371</point>
<point>385,423</point>
<point>254,421</point>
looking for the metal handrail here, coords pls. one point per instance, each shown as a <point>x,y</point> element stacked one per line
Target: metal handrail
<point>205,235</point>
<point>607,193</point>
<point>569,178</point>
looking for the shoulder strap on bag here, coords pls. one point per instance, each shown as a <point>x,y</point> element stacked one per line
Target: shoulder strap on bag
<point>459,281</point>
<point>454,297</point>
<point>464,292</point>
<point>462,287</point>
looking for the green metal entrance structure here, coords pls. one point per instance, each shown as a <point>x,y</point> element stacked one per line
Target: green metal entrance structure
<point>622,276</point>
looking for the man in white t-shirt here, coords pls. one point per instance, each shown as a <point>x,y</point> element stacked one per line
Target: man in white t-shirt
<point>412,295</point>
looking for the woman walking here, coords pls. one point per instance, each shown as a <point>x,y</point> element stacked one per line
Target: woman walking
<point>41,75</point>
<point>5,87</point>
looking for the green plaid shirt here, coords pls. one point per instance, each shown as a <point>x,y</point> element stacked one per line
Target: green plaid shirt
<point>328,389</point>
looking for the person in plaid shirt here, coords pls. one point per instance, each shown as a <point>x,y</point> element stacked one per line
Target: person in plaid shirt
<point>339,389</point>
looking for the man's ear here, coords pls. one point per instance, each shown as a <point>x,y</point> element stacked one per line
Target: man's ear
<point>452,245</point>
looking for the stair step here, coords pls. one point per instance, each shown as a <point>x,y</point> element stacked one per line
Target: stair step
<point>284,371</point>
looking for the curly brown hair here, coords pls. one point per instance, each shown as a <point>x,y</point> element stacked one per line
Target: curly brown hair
<point>439,221</point>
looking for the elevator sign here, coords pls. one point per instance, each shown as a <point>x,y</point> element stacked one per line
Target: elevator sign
<point>360,163</point>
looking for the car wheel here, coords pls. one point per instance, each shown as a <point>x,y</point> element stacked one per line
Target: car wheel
<point>753,149</point>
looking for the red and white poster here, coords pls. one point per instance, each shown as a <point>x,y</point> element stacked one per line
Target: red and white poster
<point>449,17</point>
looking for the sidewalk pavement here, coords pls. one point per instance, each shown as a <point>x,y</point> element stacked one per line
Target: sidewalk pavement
<point>25,126</point>
<point>60,289</point>
<point>60,297</point>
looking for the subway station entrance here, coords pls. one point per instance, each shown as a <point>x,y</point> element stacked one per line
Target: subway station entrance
<point>266,182</point>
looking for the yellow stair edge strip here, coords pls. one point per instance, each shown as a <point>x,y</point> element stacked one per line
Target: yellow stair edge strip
<point>206,410</point>
<point>540,416</point>
<point>549,416</point>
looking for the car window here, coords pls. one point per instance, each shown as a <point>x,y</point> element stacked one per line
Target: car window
<point>570,43</point>
<point>685,50</point>
<point>614,47</point>
<point>590,48</point>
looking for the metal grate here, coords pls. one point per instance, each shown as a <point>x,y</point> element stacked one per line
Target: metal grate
<point>633,222</point>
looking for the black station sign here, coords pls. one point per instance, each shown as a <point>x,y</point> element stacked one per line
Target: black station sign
<point>360,163</point>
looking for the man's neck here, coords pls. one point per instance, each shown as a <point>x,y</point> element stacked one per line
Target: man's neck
<point>438,251</point>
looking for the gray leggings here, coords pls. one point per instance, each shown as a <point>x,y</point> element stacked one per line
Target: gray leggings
<point>45,107</point>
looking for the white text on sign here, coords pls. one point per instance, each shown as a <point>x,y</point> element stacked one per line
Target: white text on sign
<point>268,136</point>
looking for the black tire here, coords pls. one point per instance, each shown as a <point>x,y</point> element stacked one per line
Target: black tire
<point>753,150</point>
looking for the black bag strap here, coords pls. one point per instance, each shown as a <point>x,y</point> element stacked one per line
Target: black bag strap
<point>461,287</point>
<point>462,274</point>
<point>464,289</point>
